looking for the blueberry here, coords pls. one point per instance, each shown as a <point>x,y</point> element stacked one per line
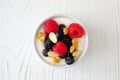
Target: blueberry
<point>69,59</point>
<point>44,52</point>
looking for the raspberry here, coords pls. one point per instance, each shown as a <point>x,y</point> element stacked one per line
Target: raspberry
<point>50,26</point>
<point>75,30</point>
<point>60,48</point>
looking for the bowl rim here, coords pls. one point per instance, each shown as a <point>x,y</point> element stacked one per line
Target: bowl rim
<point>85,45</point>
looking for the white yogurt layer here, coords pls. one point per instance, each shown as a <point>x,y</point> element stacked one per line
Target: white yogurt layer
<point>40,47</point>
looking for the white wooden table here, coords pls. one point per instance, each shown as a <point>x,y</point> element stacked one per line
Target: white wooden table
<point>19,20</point>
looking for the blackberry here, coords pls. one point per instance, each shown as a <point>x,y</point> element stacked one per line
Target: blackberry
<point>63,56</point>
<point>67,40</point>
<point>61,26</point>
<point>60,31</point>
<point>48,43</point>
<point>60,34</point>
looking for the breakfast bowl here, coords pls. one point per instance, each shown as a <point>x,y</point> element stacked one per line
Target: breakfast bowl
<point>61,40</point>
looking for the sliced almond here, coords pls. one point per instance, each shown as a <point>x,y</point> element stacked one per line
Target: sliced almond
<point>56,59</point>
<point>52,54</point>
<point>77,53</point>
<point>53,37</point>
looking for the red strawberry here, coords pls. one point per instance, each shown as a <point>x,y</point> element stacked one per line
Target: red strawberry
<point>75,30</point>
<point>60,48</point>
<point>50,26</point>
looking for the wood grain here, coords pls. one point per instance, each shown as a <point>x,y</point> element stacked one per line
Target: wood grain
<point>19,20</point>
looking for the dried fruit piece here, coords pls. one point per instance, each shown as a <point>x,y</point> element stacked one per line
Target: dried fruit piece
<point>53,37</point>
<point>39,34</point>
<point>72,48</point>
<point>65,31</point>
<point>56,59</point>
<point>77,53</point>
<point>52,54</point>
<point>42,38</point>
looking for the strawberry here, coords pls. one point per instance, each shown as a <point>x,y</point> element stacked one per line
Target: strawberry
<point>60,48</point>
<point>50,26</point>
<point>75,30</point>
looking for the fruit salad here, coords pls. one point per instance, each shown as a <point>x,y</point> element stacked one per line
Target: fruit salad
<point>60,41</point>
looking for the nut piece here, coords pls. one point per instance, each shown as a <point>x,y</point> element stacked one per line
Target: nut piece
<point>65,31</point>
<point>74,41</point>
<point>39,34</point>
<point>77,53</point>
<point>76,45</point>
<point>52,54</point>
<point>72,48</point>
<point>56,59</point>
<point>53,37</point>
<point>42,38</point>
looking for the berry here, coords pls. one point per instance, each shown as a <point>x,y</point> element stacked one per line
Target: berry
<point>48,43</point>
<point>45,52</point>
<point>50,26</point>
<point>67,40</point>
<point>75,30</point>
<point>69,59</point>
<point>63,56</point>
<point>60,48</point>
<point>61,26</point>
<point>60,31</point>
